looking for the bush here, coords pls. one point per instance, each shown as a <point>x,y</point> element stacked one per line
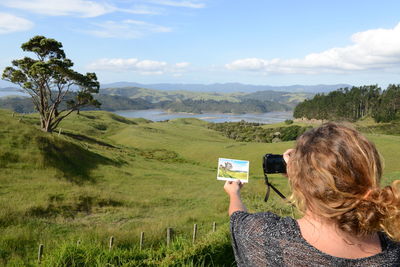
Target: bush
<point>252,132</point>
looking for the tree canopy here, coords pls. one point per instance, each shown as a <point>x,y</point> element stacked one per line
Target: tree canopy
<point>353,104</point>
<point>50,81</point>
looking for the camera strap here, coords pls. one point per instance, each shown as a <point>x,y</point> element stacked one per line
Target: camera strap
<point>269,186</point>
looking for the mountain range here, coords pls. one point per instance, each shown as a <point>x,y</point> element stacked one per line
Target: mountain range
<point>229,87</point>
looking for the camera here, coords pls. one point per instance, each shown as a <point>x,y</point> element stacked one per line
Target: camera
<point>273,163</point>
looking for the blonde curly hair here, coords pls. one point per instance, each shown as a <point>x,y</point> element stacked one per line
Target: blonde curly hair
<point>335,173</point>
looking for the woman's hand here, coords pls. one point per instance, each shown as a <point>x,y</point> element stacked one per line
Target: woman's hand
<point>233,187</point>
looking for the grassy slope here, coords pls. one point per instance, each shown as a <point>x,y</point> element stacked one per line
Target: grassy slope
<point>106,175</point>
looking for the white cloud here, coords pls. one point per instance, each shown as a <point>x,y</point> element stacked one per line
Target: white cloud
<point>144,67</point>
<point>10,23</point>
<point>151,65</point>
<point>187,4</point>
<point>82,8</point>
<point>126,29</point>
<point>250,64</point>
<point>182,65</point>
<point>371,49</point>
<point>87,8</point>
<point>141,10</point>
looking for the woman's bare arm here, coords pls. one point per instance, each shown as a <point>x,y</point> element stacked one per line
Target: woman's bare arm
<point>233,190</point>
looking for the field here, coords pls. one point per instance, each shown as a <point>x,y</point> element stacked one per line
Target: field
<point>232,174</point>
<point>105,175</point>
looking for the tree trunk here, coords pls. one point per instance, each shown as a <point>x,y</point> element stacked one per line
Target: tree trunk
<point>46,124</point>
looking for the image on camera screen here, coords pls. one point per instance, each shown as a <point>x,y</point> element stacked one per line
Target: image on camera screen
<point>233,169</point>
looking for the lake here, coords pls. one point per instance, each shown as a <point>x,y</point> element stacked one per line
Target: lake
<point>5,93</point>
<point>161,115</point>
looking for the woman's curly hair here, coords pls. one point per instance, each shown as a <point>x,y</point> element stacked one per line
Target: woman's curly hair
<point>335,172</point>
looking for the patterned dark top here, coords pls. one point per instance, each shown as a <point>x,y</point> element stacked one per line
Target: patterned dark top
<point>266,239</point>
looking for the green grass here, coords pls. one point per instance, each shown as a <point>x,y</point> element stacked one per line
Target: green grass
<point>105,175</point>
<point>232,174</point>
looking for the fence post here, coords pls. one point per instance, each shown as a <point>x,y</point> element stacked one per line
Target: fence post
<point>59,132</point>
<point>40,253</point>
<point>169,234</point>
<point>214,226</point>
<point>194,233</point>
<point>141,240</point>
<point>111,242</point>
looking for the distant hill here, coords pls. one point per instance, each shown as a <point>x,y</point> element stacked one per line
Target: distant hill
<point>154,96</point>
<point>288,98</point>
<point>139,98</point>
<point>108,102</point>
<point>207,101</point>
<point>135,98</point>
<point>229,87</point>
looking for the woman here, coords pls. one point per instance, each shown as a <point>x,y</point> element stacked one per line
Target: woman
<point>348,220</point>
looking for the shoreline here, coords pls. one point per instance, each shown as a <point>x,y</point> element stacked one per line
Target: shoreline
<point>160,115</point>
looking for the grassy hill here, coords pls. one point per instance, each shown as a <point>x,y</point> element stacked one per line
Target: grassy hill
<point>135,98</point>
<point>154,96</point>
<point>106,175</point>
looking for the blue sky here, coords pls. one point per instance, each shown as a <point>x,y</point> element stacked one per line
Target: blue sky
<point>207,41</point>
<point>238,165</point>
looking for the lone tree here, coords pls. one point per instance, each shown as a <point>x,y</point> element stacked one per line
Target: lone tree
<point>56,90</point>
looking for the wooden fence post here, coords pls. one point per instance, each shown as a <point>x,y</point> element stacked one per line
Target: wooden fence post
<point>169,235</point>
<point>194,233</point>
<point>141,240</point>
<point>111,242</point>
<point>214,226</point>
<point>40,253</point>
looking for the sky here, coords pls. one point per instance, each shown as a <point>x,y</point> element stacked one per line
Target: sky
<point>237,165</point>
<point>262,42</point>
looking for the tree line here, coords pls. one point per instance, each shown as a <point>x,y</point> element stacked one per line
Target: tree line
<point>253,132</point>
<point>353,103</point>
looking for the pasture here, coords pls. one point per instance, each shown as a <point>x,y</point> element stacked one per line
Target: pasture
<point>104,175</point>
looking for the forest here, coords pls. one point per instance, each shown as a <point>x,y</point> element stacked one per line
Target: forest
<point>352,104</point>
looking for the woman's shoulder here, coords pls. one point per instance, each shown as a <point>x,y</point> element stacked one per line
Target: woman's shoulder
<point>388,244</point>
<point>262,217</point>
<point>267,223</point>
